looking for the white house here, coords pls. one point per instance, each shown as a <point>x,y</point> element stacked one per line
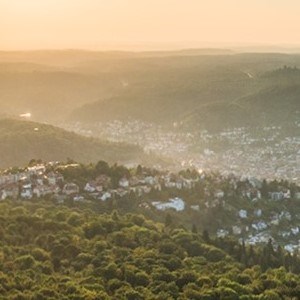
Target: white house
<point>243,214</point>
<point>150,180</point>
<point>105,196</point>
<point>236,230</point>
<point>221,233</point>
<point>195,207</point>
<point>258,212</point>
<point>219,194</point>
<point>90,187</point>
<point>78,198</point>
<point>70,189</point>
<point>123,182</point>
<point>176,203</point>
<point>261,225</point>
<point>26,193</point>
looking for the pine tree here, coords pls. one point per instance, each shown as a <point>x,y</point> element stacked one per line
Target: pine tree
<point>205,236</point>
<point>168,220</point>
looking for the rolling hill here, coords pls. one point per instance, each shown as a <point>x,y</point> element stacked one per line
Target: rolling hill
<point>199,87</point>
<point>272,106</point>
<point>48,94</point>
<point>20,141</point>
<point>213,100</point>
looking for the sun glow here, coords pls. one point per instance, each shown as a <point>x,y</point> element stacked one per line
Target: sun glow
<point>96,24</point>
<point>25,115</point>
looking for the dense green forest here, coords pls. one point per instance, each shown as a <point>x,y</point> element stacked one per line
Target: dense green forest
<point>20,141</point>
<point>71,252</point>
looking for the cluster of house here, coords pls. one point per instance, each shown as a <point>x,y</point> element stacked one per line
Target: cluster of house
<point>37,181</point>
<point>100,188</point>
<point>261,229</point>
<point>276,153</point>
<point>259,225</point>
<point>32,182</point>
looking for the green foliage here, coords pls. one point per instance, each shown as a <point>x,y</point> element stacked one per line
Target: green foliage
<point>47,254</point>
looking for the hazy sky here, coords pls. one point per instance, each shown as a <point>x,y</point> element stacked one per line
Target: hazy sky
<point>26,24</point>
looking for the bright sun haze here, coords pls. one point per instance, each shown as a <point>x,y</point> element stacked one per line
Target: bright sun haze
<point>94,24</point>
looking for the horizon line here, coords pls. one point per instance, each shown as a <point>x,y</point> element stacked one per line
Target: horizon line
<point>129,48</point>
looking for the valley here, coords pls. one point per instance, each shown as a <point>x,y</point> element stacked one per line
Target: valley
<point>149,150</point>
<point>261,152</point>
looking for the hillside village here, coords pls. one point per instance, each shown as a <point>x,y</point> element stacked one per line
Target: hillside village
<point>37,181</point>
<point>274,149</point>
<point>249,209</point>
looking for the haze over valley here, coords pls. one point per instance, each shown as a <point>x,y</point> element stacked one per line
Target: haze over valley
<point>212,109</point>
<point>149,150</point>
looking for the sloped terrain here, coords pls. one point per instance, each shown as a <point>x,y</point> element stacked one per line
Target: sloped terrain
<point>20,141</point>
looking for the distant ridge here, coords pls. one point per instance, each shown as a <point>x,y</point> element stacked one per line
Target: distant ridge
<point>195,86</point>
<point>67,57</point>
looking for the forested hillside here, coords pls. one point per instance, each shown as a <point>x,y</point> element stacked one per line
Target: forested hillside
<point>20,141</point>
<point>60,252</point>
<point>199,98</point>
<point>200,90</point>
